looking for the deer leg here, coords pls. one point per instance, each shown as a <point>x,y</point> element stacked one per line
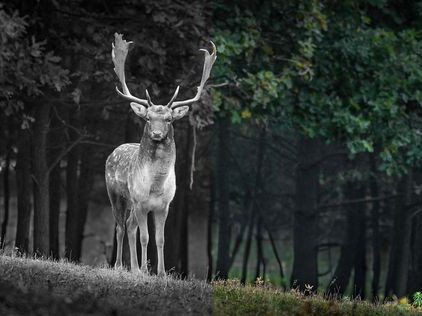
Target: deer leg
<point>120,232</point>
<point>118,207</point>
<point>160,220</point>
<point>131,228</point>
<point>143,228</point>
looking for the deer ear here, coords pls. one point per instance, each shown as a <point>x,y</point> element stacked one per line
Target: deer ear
<point>178,113</point>
<point>139,110</point>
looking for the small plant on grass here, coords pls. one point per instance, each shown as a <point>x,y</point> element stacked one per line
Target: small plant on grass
<point>417,299</point>
<point>403,303</point>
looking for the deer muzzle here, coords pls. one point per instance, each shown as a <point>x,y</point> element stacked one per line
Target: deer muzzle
<point>157,135</point>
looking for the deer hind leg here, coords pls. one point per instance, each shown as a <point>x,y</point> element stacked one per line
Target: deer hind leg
<point>118,207</point>
<point>120,233</point>
<point>160,220</point>
<point>143,228</point>
<point>131,228</point>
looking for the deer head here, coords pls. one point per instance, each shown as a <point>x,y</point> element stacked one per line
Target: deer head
<point>158,117</point>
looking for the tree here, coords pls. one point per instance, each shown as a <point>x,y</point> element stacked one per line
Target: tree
<point>26,69</point>
<point>305,268</point>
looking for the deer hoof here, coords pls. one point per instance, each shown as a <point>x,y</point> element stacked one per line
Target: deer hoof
<point>161,274</point>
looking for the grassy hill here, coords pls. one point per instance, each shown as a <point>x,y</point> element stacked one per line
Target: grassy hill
<point>230,298</point>
<point>43,287</point>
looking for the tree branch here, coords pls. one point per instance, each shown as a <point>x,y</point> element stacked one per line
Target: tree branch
<point>64,153</point>
<point>359,201</point>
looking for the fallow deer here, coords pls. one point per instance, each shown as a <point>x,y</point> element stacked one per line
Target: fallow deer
<point>140,178</point>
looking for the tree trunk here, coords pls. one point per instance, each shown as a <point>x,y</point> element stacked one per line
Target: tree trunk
<point>348,252</point>
<point>277,257</point>
<point>55,198</point>
<point>41,180</point>
<point>199,206</point>
<point>198,221</point>
<point>6,195</point>
<point>223,189</point>
<point>238,241</point>
<point>209,227</point>
<point>376,251</point>
<point>259,254</point>
<point>360,257</point>
<point>254,205</point>
<point>184,260</point>
<point>23,184</point>
<point>85,184</point>
<point>400,249</point>
<point>72,192</point>
<point>305,235</point>
<point>248,242</point>
<point>55,144</point>
<point>415,281</point>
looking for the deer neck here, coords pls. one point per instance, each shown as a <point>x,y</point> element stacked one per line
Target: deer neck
<point>162,153</point>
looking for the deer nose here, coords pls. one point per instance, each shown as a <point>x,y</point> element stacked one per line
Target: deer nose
<point>157,134</point>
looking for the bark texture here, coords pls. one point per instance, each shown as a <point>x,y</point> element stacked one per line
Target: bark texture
<point>41,180</point>
<point>305,235</point>
<point>23,186</point>
<point>223,191</point>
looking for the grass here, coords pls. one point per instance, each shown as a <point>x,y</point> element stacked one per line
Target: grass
<point>44,287</point>
<point>230,298</point>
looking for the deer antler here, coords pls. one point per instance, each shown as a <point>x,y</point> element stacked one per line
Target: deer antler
<point>208,63</point>
<point>149,98</point>
<point>174,96</point>
<point>118,55</point>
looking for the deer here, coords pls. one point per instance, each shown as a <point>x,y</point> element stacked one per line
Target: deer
<point>140,177</point>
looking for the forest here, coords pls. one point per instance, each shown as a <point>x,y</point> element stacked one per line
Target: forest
<point>299,166</point>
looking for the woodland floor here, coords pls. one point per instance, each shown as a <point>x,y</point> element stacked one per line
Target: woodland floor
<point>43,287</point>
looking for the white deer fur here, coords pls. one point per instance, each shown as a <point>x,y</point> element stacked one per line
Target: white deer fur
<point>140,178</point>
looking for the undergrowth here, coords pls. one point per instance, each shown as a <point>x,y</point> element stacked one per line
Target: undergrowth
<point>231,298</point>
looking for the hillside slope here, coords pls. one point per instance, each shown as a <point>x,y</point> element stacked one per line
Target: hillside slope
<point>231,298</point>
<point>42,287</point>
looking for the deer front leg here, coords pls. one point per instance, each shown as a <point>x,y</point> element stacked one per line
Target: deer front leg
<point>160,220</point>
<point>143,228</point>
<point>120,232</point>
<point>132,225</point>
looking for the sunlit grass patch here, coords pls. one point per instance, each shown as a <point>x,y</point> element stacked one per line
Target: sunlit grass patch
<point>231,298</point>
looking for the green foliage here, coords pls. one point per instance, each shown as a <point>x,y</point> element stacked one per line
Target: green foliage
<point>417,299</point>
<point>254,89</point>
<point>259,57</point>
<point>365,91</point>
<point>330,70</point>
